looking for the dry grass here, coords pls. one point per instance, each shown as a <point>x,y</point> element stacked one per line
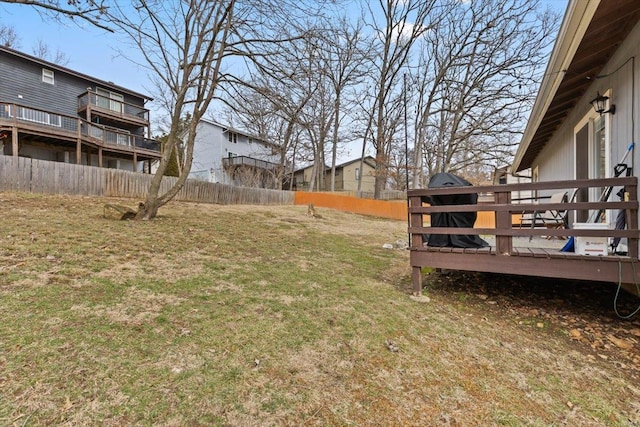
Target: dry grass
<point>254,316</point>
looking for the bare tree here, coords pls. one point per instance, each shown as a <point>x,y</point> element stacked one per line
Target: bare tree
<point>260,117</point>
<point>402,24</point>
<point>8,37</point>
<point>183,44</point>
<point>317,117</point>
<point>475,81</point>
<point>43,51</point>
<point>269,103</point>
<point>290,88</point>
<point>187,46</point>
<point>346,52</point>
<point>305,86</point>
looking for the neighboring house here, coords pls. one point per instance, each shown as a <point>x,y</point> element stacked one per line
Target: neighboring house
<point>230,156</point>
<point>505,175</point>
<point>347,176</point>
<point>595,54</point>
<point>50,112</point>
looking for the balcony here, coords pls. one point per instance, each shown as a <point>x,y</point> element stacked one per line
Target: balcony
<point>228,162</point>
<point>113,110</point>
<point>45,124</point>
<point>105,135</point>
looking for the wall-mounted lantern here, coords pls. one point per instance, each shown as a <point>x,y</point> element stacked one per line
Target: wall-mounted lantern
<point>600,105</point>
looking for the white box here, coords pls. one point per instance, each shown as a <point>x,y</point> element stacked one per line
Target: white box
<point>585,245</point>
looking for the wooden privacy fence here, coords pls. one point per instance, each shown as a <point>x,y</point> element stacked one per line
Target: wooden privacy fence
<point>41,176</point>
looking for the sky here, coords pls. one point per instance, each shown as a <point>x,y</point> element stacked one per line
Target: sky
<point>90,50</point>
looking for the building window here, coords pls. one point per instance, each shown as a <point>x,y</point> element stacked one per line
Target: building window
<point>38,116</point>
<point>599,148</point>
<point>233,137</point>
<point>48,76</point>
<point>357,174</point>
<point>109,100</point>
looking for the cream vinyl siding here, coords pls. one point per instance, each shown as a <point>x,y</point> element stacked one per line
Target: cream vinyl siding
<point>350,182</point>
<point>557,160</point>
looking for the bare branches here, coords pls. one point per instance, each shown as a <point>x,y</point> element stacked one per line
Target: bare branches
<point>43,51</point>
<point>473,109</point>
<point>88,10</point>
<point>306,75</point>
<point>8,37</point>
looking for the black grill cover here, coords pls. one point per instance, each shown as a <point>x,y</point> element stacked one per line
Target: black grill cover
<point>453,219</point>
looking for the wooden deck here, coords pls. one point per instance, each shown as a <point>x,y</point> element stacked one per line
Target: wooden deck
<point>61,130</point>
<point>511,253</point>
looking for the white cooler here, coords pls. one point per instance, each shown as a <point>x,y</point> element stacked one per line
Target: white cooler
<point>591,245</point>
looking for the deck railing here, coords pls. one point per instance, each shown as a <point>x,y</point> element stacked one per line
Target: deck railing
<point>503,257</point>
<point>113,106</point>
<point>64,125</point>
<point>116,137</point>
<point>249,161</point>
<point>505,211</point>
<point>33,116</point>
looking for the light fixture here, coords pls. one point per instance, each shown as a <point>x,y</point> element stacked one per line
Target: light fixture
<point>600,104</point>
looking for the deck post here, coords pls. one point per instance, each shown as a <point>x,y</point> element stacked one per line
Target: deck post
<point>99,157</point>
<point>416,221</point>
<point>79,144</point>
<point>416,278</point>
<point>632,221</point>
<point>504,244</point>
<point>14,141</point>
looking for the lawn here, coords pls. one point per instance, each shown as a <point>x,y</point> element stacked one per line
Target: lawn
<point>262,315</point>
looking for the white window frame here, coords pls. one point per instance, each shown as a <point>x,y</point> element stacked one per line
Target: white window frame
<point>590,118</point>
<point>112,100</point>
<point>48,76</point>
<point>116,102</point>
<point>37,116</point>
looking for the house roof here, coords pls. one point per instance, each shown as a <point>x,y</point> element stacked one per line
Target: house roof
<point>368,160</point>
<point>591,32</point>
<point>226,128</point>
<point>71,72</point>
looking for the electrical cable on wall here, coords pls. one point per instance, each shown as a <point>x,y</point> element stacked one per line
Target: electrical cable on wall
<point>633,102</point>
<point>631,59</point>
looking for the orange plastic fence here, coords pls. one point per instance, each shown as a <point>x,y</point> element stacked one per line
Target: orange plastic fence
<point>396,209</point>
<point>380,208</point>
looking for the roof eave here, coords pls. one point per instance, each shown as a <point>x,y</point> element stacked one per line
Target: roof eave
<point>574,26</point>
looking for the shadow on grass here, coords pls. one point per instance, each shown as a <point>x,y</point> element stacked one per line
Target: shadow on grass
<point>582,311</point>
<point>567,296</point>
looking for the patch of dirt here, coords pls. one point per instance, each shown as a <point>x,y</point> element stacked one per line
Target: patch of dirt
<point>147,306</point>
<point>583,312</point>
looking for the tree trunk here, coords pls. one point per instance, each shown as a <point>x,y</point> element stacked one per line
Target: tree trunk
<point>334,151</point>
